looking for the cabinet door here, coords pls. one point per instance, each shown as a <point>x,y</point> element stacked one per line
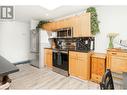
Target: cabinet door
<point>82,26</point>
<point>118,64</point>
<point>72,66</point>
<point>94,69</point>
<point>50,61</point>
<point>108,61</point>
<point>76,27</point>
<point>45,26</point>
<point>101,69</point>
<point>84,67</point>
<point>51,26</point>
<point>85,25</point>
<point>48,58</point>
<point>67,22</point>
<point>94,66</point>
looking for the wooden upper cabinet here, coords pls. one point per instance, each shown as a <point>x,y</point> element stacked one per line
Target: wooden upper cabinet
<point>54,26</point>
<point>85,24</point>
<point>62,22</point>
<point>65,22</point>
<point>47,26</point>
<point>76,28</point>
<point>81,25</point>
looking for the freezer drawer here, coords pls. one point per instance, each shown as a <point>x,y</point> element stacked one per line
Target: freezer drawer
<point>35,59</point>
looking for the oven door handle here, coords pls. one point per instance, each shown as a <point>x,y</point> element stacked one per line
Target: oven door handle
<point>55,51</point>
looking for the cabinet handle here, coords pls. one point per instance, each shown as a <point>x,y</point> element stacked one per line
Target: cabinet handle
<point>114,53</point>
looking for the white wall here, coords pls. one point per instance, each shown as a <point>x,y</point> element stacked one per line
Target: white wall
<point>112,19</point>
<point>33,24</point>
<point>14,41</point>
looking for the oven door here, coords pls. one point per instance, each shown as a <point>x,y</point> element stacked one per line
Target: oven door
<point>60,60</point>
<point>55,58</point>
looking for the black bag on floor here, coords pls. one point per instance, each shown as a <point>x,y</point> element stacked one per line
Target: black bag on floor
<point>4,82</point>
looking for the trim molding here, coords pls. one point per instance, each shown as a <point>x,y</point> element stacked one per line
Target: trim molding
<point>22,62</point>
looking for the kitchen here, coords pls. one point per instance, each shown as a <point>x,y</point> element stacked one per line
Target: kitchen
<point>68,52</point>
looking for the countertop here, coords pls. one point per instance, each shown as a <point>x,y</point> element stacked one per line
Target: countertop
<point>6,67</point>
<point>47,48</point>
<point>72,50</point>
<point>83,51</point>
<point>99,55</point>
<point>117,50</point>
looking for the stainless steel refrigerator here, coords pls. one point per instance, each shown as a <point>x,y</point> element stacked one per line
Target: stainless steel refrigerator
<point>34,47</point>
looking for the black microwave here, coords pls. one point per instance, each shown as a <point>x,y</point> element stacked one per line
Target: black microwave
<point>65,32</point>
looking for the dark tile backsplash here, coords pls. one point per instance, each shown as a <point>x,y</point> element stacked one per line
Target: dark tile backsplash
<point>82,43</point>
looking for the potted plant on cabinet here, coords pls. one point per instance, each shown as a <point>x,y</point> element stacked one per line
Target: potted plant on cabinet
<point>111,38</point>
<point>94,20</point>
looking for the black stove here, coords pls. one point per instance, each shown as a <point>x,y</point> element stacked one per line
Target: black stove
<point>60,61</point>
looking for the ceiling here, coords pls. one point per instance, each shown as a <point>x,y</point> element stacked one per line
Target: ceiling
<point>26,13</point>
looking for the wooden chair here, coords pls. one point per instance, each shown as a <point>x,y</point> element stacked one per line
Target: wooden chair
<point>107,81</point>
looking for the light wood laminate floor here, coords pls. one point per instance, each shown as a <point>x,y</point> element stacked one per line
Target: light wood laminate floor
<point>30,77</point>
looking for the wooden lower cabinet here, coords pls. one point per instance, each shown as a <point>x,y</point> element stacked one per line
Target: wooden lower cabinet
<point>79,65</point>
<point>48,57</point>
<point>98,66</point>
<point>84,70</point>
<point>73,66</point>
<point>117,61</point>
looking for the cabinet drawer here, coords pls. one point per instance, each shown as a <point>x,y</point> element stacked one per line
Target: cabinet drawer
<point>48,51</point>
<point>118,54</point>
<point>73,54</point>
<point>118,64</point>
<point>81,55</point>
